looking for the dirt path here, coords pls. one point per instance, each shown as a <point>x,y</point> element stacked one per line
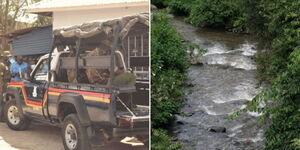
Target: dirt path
<point>43,137</point>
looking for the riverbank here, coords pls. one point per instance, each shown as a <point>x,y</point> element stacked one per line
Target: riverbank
<point>169,65</point>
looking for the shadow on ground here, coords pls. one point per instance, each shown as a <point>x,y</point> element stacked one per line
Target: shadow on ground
<point>45,137</point>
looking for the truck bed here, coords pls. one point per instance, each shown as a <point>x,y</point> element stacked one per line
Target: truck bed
<point>138,114</point>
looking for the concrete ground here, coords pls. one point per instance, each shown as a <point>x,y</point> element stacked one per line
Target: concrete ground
<point>45,137</point>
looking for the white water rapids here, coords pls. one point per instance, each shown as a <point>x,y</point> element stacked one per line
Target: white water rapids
<point>223,84</point>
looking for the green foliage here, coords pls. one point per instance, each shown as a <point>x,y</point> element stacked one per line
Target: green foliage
<point>296,144</point>
<point>166,96</point>
<point>161,141</point>
<point>168,52</point>
<point>160,3</point>
<point>239,24</point>
<point>181,7</point>
<point>281,66</point>
<point>283,31</point>
<point>253,17</point>
<point>193,46</point>
<point>160,18</point>
<point>215,13</point>
<point>233,15</point>
<point>169,63</point>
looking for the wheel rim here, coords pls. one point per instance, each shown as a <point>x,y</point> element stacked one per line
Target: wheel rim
<point>13,115</point>
<point>71,136</point>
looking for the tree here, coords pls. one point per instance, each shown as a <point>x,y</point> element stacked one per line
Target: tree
<point>10,10</point>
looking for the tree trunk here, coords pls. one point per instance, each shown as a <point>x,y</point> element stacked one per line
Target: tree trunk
<point>4,43</point>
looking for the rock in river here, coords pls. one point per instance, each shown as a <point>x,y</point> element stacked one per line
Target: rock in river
<point>217,129</point>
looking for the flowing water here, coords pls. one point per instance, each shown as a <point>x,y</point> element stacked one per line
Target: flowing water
<point>223,84</point>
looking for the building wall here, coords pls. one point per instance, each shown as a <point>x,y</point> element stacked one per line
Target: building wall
<point>77,17</point>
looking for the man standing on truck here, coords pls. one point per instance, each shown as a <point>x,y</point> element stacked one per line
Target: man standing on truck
<point>18,68</point>
<point>4,78</point>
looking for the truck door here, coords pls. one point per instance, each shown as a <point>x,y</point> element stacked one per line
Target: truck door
<point>35,90</point>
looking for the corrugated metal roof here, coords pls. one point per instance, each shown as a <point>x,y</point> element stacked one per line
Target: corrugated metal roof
<point>48,4</point>
<point>37,41</point>
<point>15,34</point>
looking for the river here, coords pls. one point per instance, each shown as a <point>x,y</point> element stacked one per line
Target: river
<point>223,84</point>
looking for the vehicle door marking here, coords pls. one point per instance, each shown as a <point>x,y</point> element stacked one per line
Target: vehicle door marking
<point>80,92</point>
<point>100,97</point>
<point>91,97</point>
<point>34,93</point>
<point>28,102</point>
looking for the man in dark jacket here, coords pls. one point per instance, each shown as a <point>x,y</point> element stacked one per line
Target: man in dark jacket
<point>4,78</point>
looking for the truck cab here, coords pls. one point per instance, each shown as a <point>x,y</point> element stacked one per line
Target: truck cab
<point>64,88</point>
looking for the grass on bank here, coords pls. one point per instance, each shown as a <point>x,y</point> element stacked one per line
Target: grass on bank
<point>169,64</point>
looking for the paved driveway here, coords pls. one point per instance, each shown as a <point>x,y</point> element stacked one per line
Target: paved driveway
<point>44,137</point>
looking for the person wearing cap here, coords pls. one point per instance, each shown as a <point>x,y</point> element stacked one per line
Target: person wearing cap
<point>4,78</point>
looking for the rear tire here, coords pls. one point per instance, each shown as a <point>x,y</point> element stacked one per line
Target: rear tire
<point>74,135</point>
<point>13,118</point>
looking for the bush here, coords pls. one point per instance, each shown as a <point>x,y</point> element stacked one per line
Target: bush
<point>161,141</point>
<point>296,143</point>
<point>282,67</point>
<point>169,64</point>
<point>214,13</point>
<point>168,52</point>
<point>166,97</point>
<point>282,31</point>
<point>181,7</point>
<point>160,3</point>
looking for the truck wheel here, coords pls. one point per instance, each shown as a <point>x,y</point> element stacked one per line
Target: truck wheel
<point>74,135</point>
<point>12,117</point>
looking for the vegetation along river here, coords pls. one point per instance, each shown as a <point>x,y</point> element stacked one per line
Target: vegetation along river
<point>223,84</point>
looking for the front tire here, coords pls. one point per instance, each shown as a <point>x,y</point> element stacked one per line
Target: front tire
<point>13,118</point>
<point>74,135</point>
